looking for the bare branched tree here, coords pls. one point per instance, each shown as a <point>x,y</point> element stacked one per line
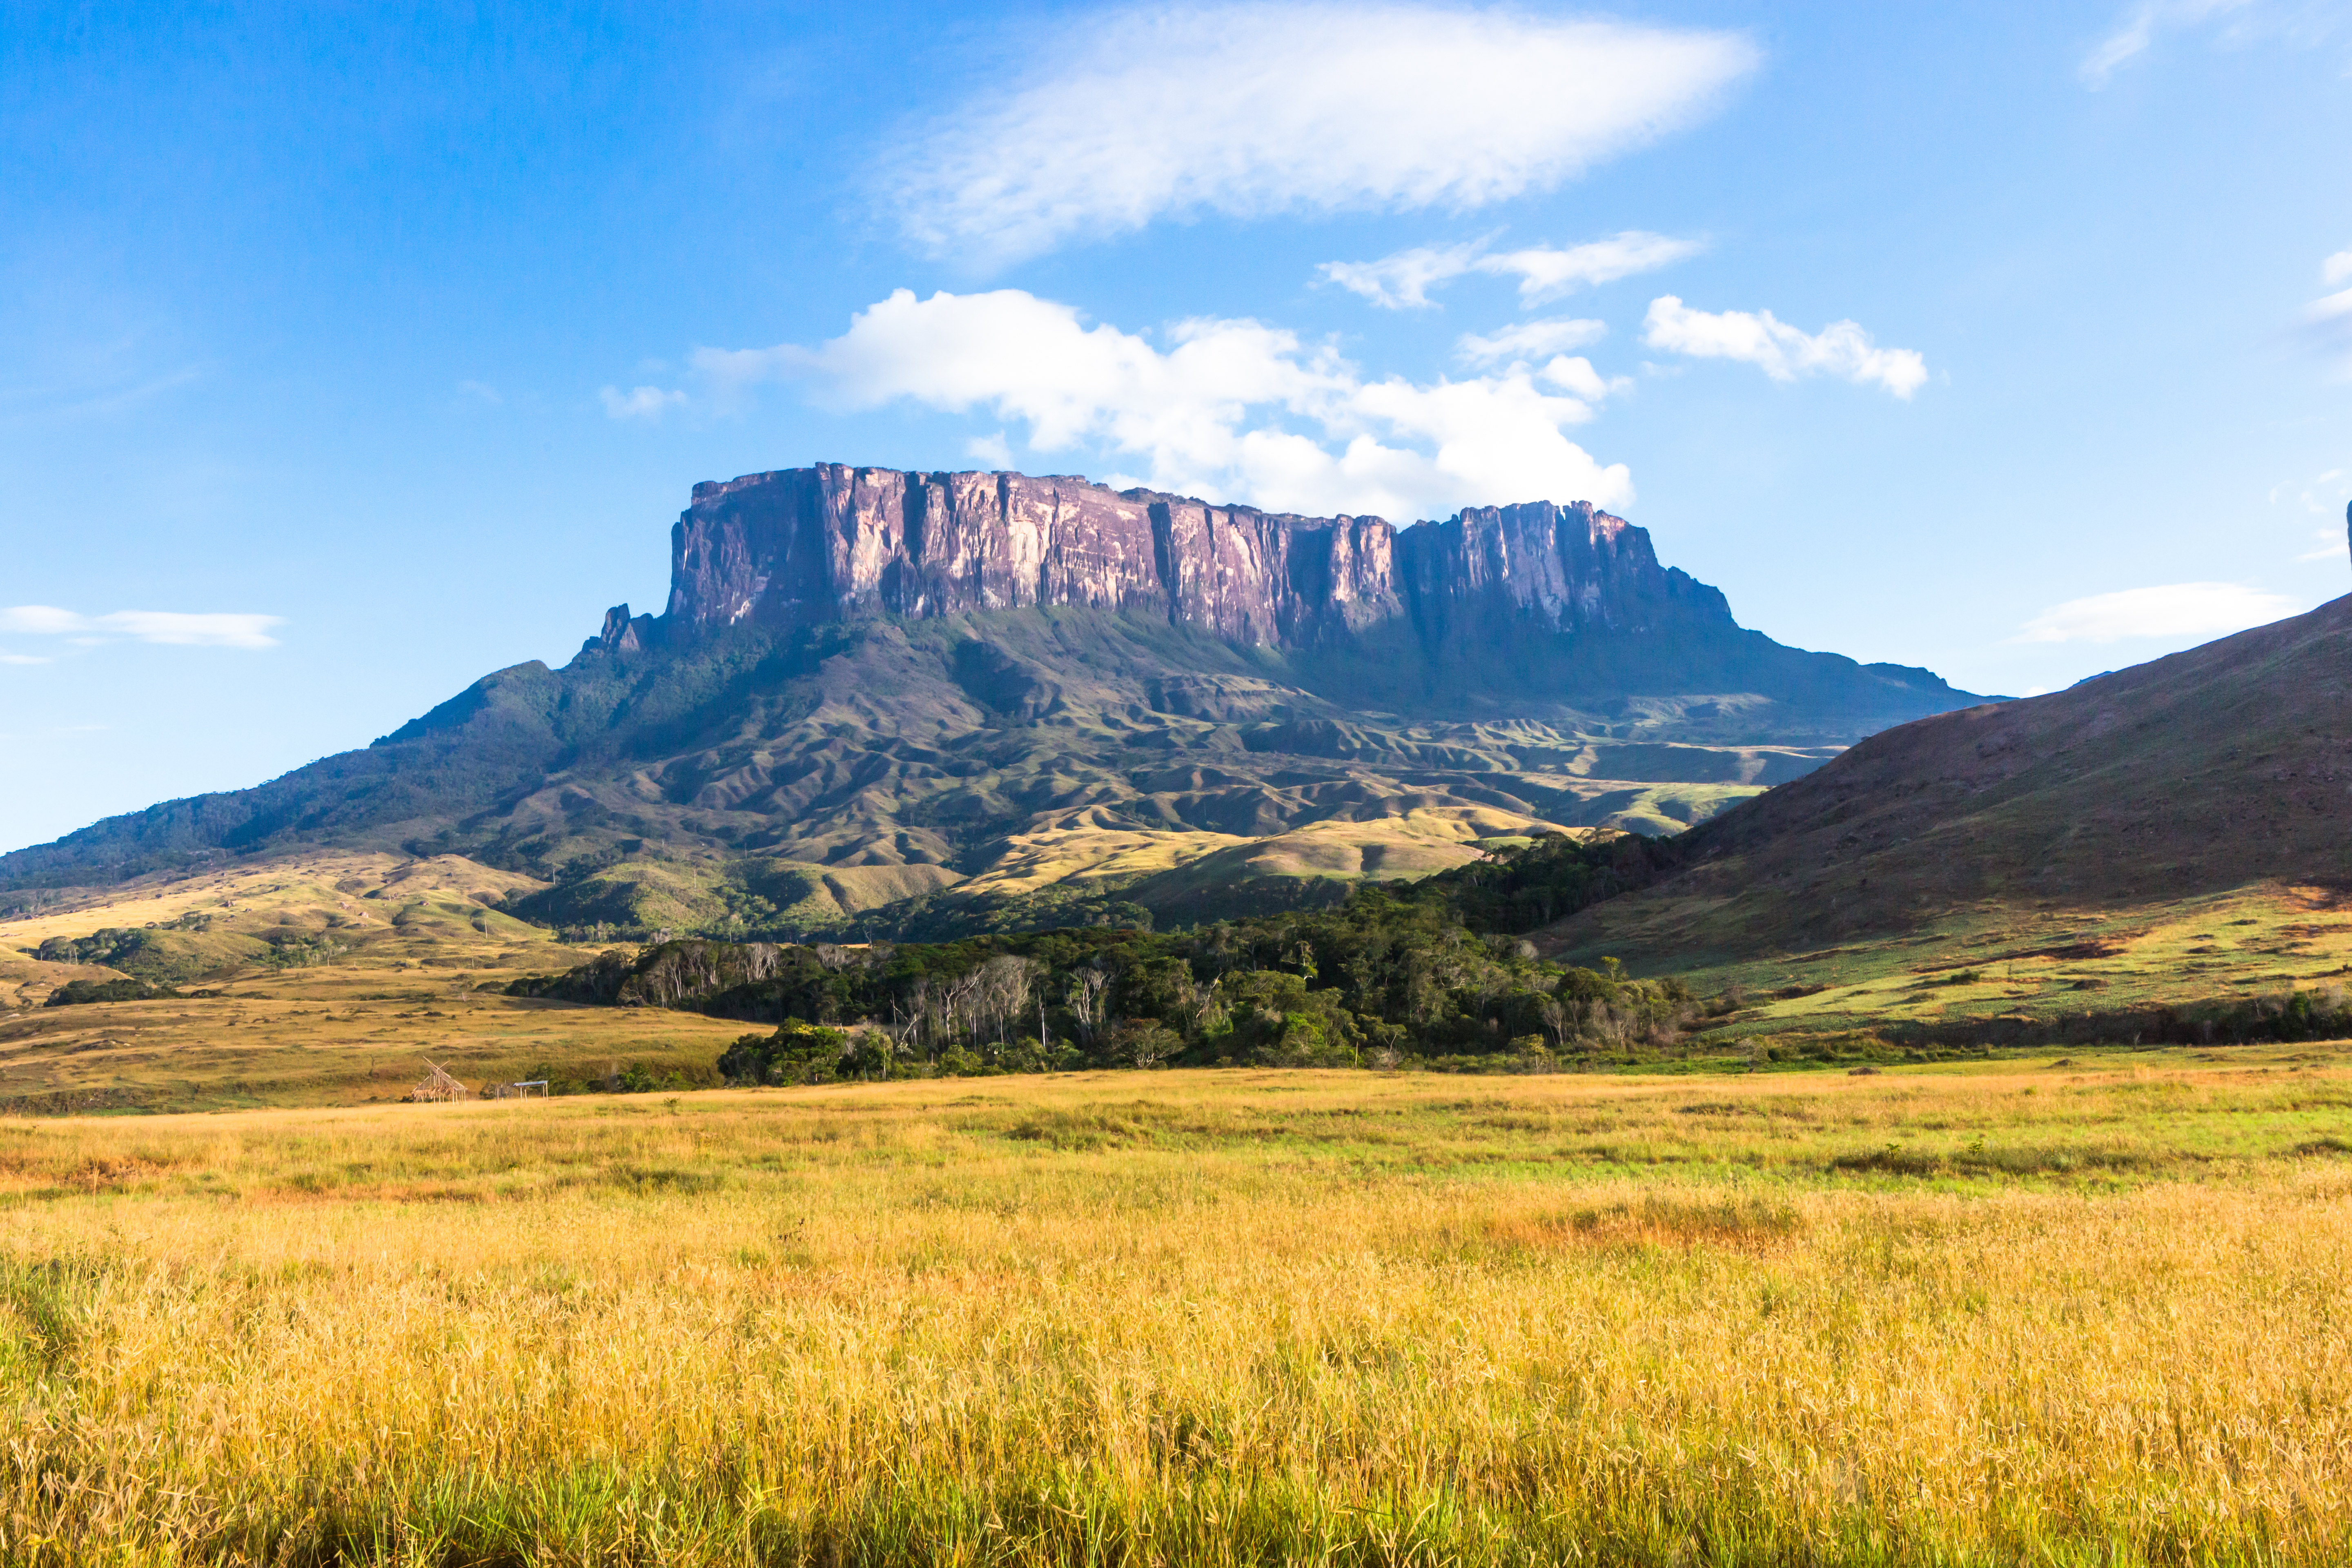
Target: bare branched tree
<point>1087,989</point>
<point>999,993</point>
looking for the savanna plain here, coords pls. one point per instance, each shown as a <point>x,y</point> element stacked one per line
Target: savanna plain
<point>2073,1310</point>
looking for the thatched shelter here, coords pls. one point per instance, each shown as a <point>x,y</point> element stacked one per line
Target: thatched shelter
<point>439,1086</point>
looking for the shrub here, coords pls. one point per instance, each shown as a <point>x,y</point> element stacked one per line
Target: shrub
<point>76,991</point>
<point>1140,1042</point>
<point>797,1052</point>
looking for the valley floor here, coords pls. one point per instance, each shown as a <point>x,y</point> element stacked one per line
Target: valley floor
<point>382,962</point>
<point>333,1037</point>
<point>2025,1311</point>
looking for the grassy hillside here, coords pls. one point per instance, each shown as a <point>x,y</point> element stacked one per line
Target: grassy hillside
<point>2031,1315</point>
<point>2162,852</point>
<point>2206,968</point>
<point>306,980</point>
<point>2226,767</point>
<point>266,917</point>
<point>328,978</point>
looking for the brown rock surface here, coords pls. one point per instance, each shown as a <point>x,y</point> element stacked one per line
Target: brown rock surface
<point>800,545</point>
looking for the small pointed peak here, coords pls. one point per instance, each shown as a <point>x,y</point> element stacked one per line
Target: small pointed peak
<point>619,633</point>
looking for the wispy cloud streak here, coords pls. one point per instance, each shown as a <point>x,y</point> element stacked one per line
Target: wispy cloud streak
<point>2172,610</point>
<point>1403,280</point>
<point>1172,111</point>
<point>169,627</point>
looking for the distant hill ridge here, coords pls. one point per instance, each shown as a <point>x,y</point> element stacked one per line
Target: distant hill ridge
<point>871,686</point>
<point>2218,768</point>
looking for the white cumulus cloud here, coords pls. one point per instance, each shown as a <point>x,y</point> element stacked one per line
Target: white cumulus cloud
<point>647,403</point>
<point>1173,110</point>
<point>2335,269</point>
<point>1783,352</point>
<point>2174,610</point>
<point>1530,340</point>
<point>1237,410</point>
<point>1545,272</point>
<point>167,626</point>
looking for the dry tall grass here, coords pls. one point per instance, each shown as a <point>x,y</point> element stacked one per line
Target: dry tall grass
<point>2041,1317</point>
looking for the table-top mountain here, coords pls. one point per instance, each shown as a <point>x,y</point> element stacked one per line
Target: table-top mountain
<point>880,684</point>
<point>805,545</point>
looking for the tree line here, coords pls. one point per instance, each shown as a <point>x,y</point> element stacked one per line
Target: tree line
<point>1436,972</point>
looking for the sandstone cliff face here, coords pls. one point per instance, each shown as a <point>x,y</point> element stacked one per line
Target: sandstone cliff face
<point>831,542</point>
<point>1563,567</point>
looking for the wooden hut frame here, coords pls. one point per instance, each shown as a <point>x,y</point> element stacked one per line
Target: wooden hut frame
<point>438,1085</point>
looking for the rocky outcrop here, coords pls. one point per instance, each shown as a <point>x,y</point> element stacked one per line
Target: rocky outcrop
<point>622,634</point>
<point>832,543</point>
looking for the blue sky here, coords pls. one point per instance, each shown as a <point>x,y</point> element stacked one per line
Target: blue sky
<point>349,353</point>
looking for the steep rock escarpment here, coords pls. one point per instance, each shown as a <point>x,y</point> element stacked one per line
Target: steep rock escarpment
<point>832,543</point>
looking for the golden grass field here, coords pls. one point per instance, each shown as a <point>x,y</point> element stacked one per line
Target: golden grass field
<point>332,1037</point>
<point>417,947</point>
<point>2040,1312</point>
